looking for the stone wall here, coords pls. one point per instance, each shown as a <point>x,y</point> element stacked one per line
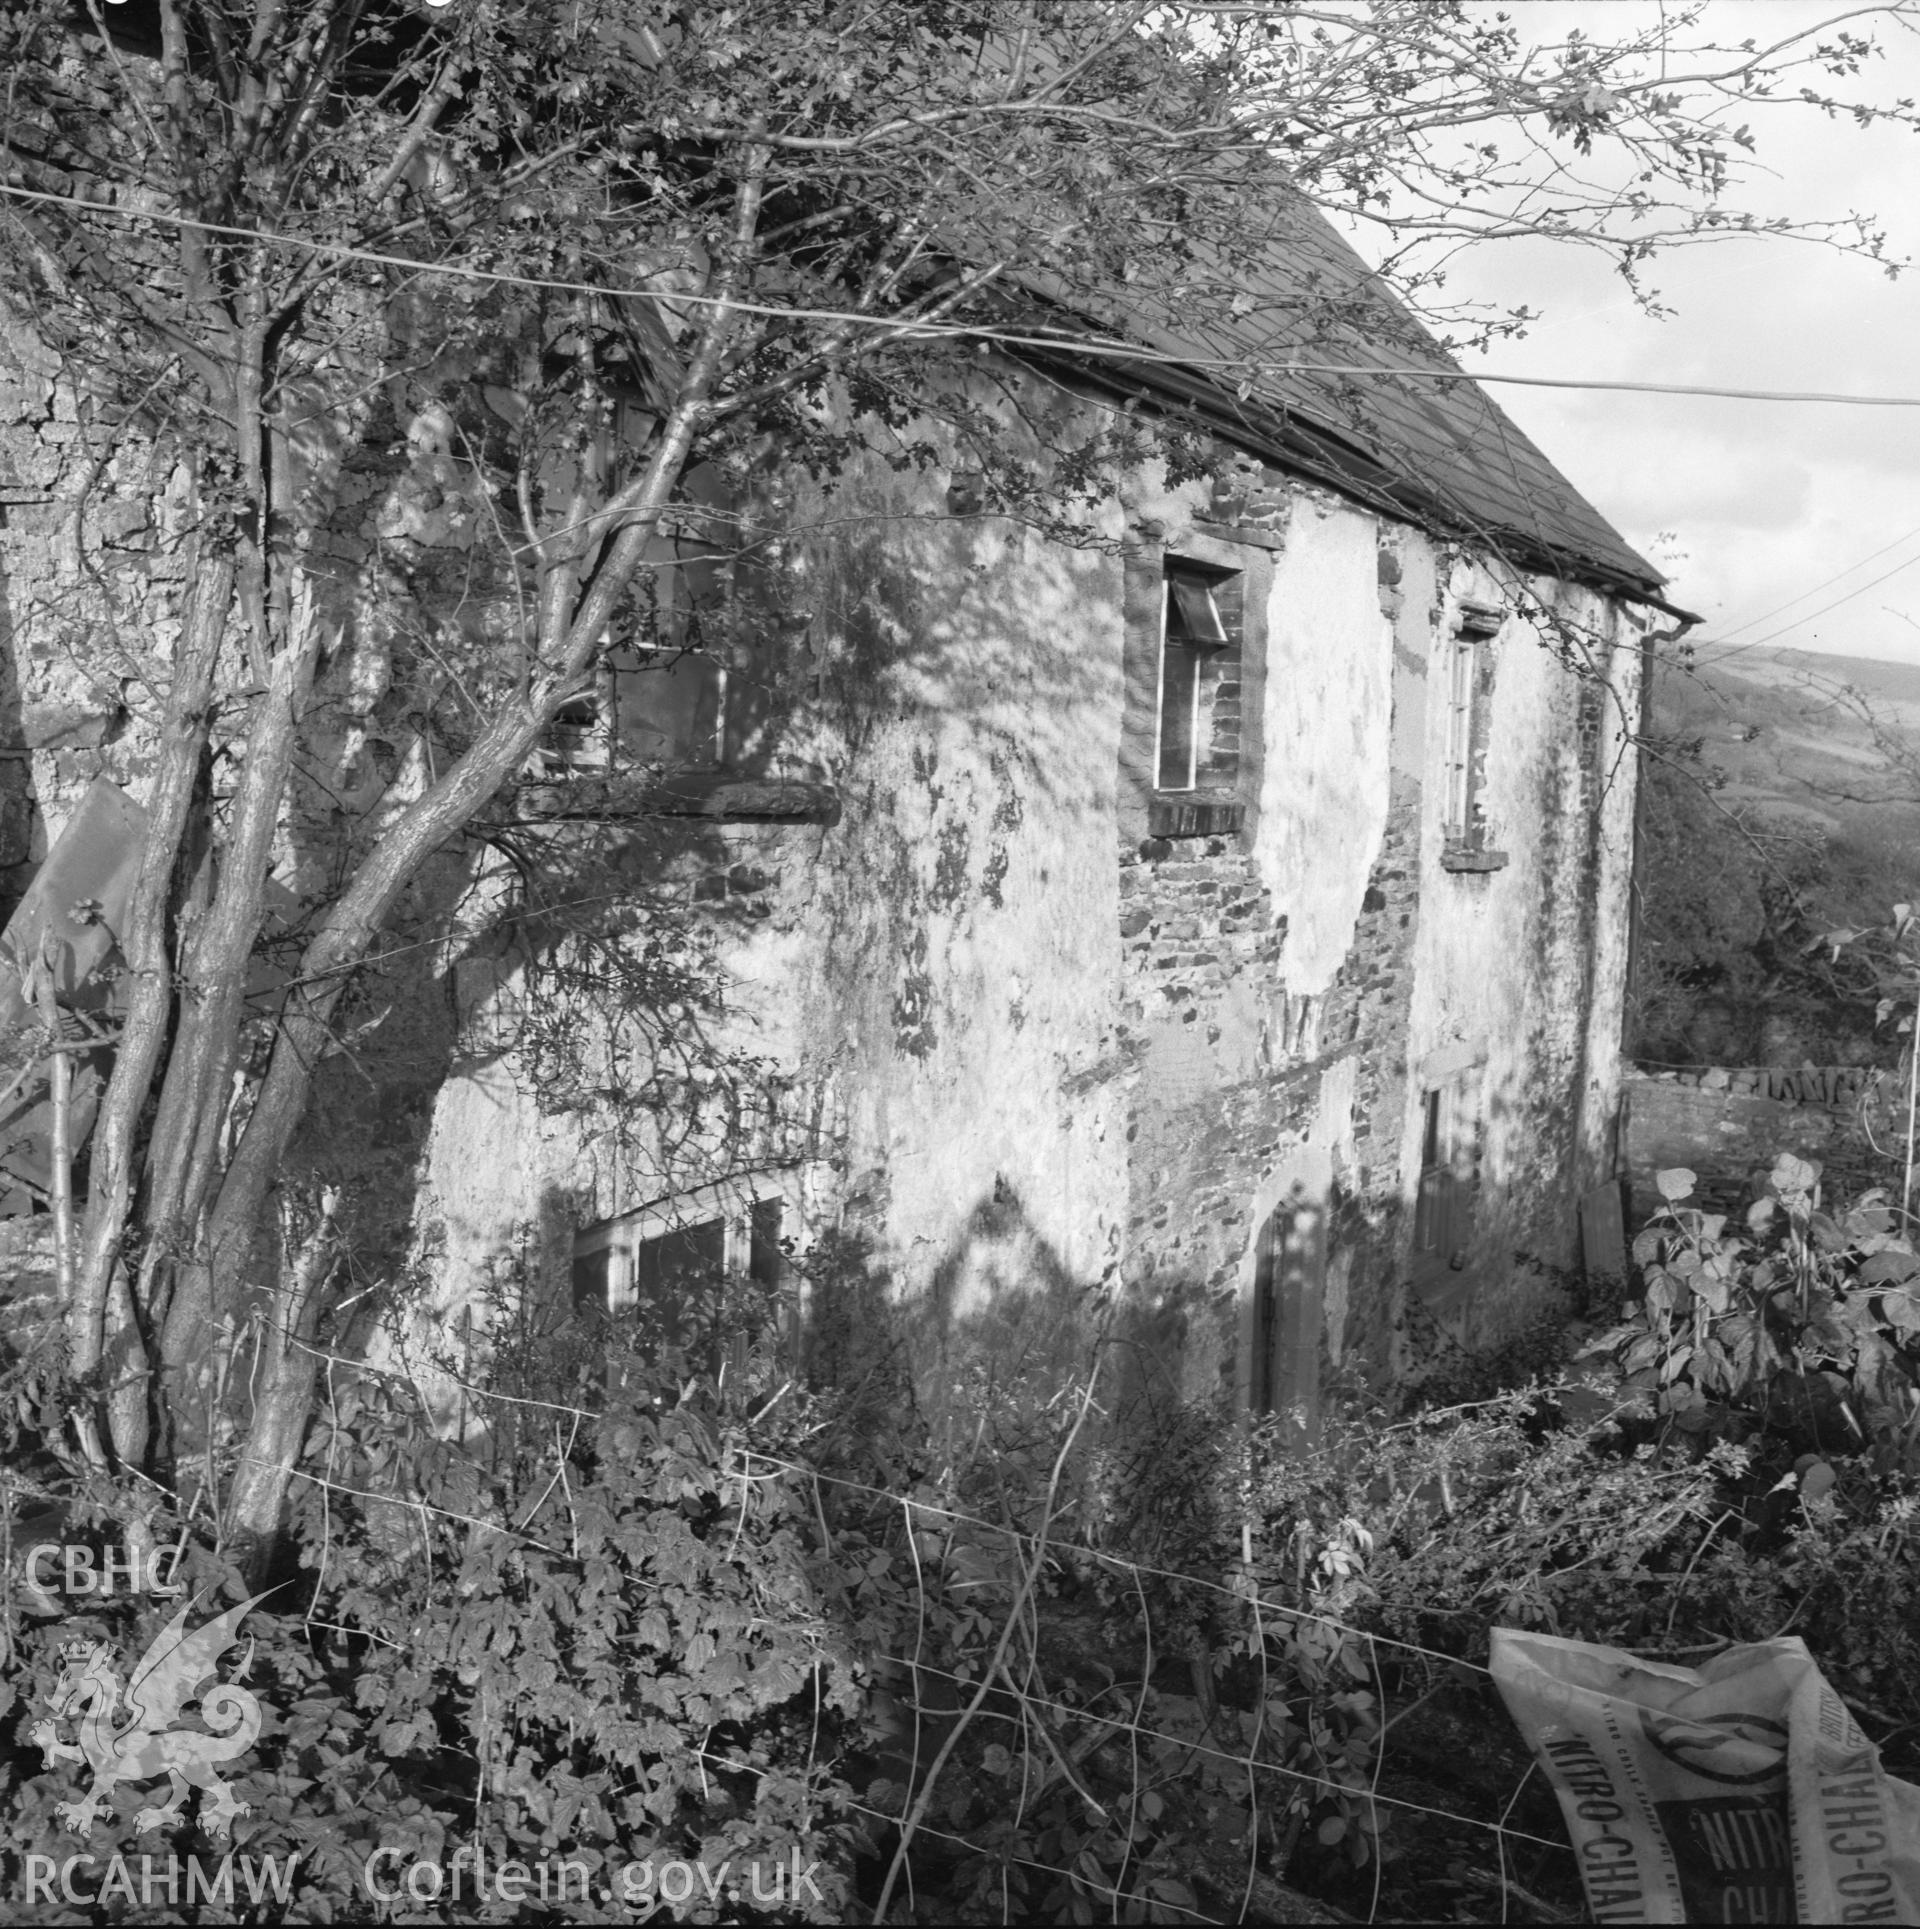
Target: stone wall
<point>88,598</point>
<point>1728,1125</point>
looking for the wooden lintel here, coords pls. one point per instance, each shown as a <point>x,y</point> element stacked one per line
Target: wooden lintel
<point>713,795</point>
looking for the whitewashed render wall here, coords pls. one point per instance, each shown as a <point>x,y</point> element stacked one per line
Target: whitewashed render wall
<point>1047,1064</point>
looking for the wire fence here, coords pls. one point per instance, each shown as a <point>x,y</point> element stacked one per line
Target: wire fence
<point>1142,1739</point>
<point>1042,1710</point>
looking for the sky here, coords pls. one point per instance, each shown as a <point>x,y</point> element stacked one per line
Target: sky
<point>1762,513</point>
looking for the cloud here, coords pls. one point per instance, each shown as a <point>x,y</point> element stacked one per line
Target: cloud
<point>1768,498</point>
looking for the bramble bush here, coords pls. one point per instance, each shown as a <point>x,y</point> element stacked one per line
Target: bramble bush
<point>666,1603</point>
<point>1748,1465</point>
<point>593,1634</point>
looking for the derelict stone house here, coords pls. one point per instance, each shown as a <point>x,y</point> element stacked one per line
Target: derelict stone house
<point>1223,915</point>
<point>1209,905</point>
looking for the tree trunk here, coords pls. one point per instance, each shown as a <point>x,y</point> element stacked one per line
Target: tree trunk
<point>193,1099</point>
<point>350,927</point>
<point>574,617</point>
<point>183,742</point>
<point>282,1397</point>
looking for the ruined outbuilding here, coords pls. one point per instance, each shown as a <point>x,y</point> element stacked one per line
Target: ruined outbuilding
<point>1207,925</point>
<point>1197,914</point>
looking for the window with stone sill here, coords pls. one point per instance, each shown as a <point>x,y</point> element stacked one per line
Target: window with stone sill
<point>1468,842</point>
<point>677,687</point>
<point>1196,753</point>
<point>680,713</point>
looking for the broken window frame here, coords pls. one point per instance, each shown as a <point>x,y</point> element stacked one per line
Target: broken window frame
<point>1192,631</point>
<point>579,740</point>
<point>700,752</point>
<point>750,1232</point>
<point>591,745</point>
<point>679,627</point>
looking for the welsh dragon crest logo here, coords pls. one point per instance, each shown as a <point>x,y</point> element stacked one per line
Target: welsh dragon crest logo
<point>126,1729</point>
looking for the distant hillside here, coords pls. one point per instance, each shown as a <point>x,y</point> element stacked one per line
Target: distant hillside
<point>1781,799</point>
<point>1832,742</point>
<point>1895,683</point>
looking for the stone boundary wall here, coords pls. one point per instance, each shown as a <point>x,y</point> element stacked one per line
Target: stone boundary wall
<point>1838,1086</point>
<point>1725,1124</point>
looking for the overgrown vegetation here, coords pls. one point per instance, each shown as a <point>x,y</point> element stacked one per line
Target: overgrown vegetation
<point>665,1604</point>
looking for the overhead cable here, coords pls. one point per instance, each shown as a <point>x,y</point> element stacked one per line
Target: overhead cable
<point>1104,348</point>
<point>1871,583</point>
<point>1814,589</point>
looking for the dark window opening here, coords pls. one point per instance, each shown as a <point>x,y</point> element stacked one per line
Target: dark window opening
<point>592,1276</point>
<point>1197,730</point>
<point>763,1242</point>
<point>676,688</point>
<point>1179,715</point>
<point>1268,1284</point>
<point>670,707</point>
<point>673,1278</point>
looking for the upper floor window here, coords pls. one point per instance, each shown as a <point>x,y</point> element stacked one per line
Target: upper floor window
<point>1469,718</point>
<point>1193,650</point>
<point>669,691</point>
<point>661,697</point>
<point>1196,755</point>
<point>1193,636</point>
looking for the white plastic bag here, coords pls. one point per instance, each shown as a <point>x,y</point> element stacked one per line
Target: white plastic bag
<point>1741,1791</point>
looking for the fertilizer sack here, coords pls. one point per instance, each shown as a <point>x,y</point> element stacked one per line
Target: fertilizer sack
<point>1741,1791</point>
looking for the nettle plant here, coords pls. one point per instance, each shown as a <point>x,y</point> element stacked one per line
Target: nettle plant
<point>1788,1313</point>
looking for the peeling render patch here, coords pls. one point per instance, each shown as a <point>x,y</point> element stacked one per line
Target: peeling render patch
<point>953,845</point>
<point>1008,815</point>
<point>1329,710</point>
<point>913,1006</point>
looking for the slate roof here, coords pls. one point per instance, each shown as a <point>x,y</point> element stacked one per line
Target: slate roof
<point>1439,452</point>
